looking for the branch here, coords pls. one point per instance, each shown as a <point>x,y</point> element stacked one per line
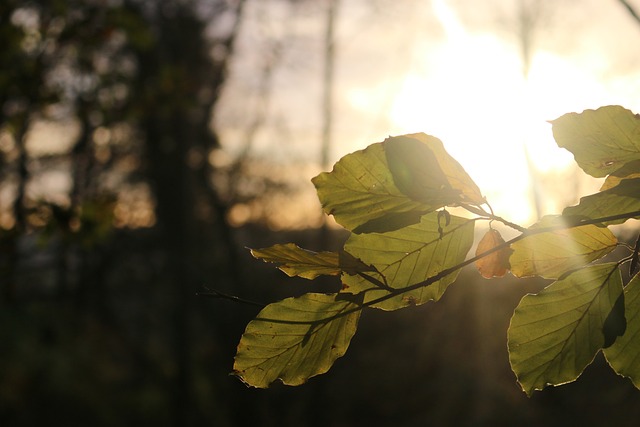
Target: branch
<point>631,10</point>
<point>444,273</point>
<point>481,212</point>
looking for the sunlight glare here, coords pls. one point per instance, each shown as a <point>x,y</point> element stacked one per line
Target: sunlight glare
<point>471,93</point>
<point>468,95</point>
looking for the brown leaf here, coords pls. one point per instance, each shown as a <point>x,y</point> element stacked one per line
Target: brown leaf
<point>496,264</point>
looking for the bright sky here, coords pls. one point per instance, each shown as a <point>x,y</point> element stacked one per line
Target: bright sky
<point>447,68</point>
<point>470,91</point>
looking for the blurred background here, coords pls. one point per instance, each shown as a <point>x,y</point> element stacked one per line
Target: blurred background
<point>144,145</point>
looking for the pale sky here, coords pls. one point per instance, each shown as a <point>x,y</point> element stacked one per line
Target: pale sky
<point>449,68</point>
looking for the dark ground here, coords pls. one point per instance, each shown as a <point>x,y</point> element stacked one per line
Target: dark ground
<point>102,357</point>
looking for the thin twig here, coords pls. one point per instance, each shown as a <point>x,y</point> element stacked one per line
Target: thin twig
<point>631,10</point>
<point>479,211</point>
<point>212,293</point>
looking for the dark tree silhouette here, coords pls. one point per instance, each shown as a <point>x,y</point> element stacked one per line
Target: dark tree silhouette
<point>140,83</point>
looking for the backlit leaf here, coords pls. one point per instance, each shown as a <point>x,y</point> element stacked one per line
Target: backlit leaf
<point>360,189</point>
<point>424,170</point>
<point>622,199</point>
<point>295,339</point>
<point>551,254</point>
<point>390,185</point>
<point>616,323</point>
<point>629,170</point>
<point>555,334</point>
<point>408,256</point>
<point>416,172</point>
<point>496,264</point>
<point>295,261</point>
<point>623,355</point>
<point>601,140</point>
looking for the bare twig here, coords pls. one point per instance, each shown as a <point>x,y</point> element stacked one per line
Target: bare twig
<point>631,10</point>
<point>212,293</point>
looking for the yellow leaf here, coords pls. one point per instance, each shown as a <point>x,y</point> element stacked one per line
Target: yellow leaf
<point>551,254</point>
<point>628,171</point>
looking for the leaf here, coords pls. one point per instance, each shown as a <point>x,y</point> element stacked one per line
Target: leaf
<point>624,198</point>
<point>409,256</point>
<point>295,339</point>
<point>616,323</point>
<point>551,254</point>
<point>423,169</point>
<point>360,189</point>
<point>633,265</point>
<point>495,264</point>
<point>629,170</point>
<point>295,261</point>
<point>623,354</point>
<point>416,172</point>
<point>391,221</point>
<point>362,192</point>
<point>601,140</point>
<point>555,334</point>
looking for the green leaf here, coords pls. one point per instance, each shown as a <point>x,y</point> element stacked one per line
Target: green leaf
<point>551,254</point>
<point>360,189</point>
<point>616,323</point>
<point>601,140</point>
<point>555,334</point>
<point>390,185</point>
<point>295,339</point>
<point>629,170</point>
<point>408,256</point>
<point>455,173</point>
<point>418,162</point>
<point>622,199</point>
<point>416,171</point>
<point>623,354</point>
<point>295,261</point>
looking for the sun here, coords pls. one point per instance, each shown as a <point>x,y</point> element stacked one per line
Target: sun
<point>472,94</point>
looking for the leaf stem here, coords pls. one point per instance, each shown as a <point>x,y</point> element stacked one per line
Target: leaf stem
<point>481,212</point>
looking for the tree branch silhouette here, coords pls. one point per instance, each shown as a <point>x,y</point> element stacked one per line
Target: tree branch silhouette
<point>631,10</point>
